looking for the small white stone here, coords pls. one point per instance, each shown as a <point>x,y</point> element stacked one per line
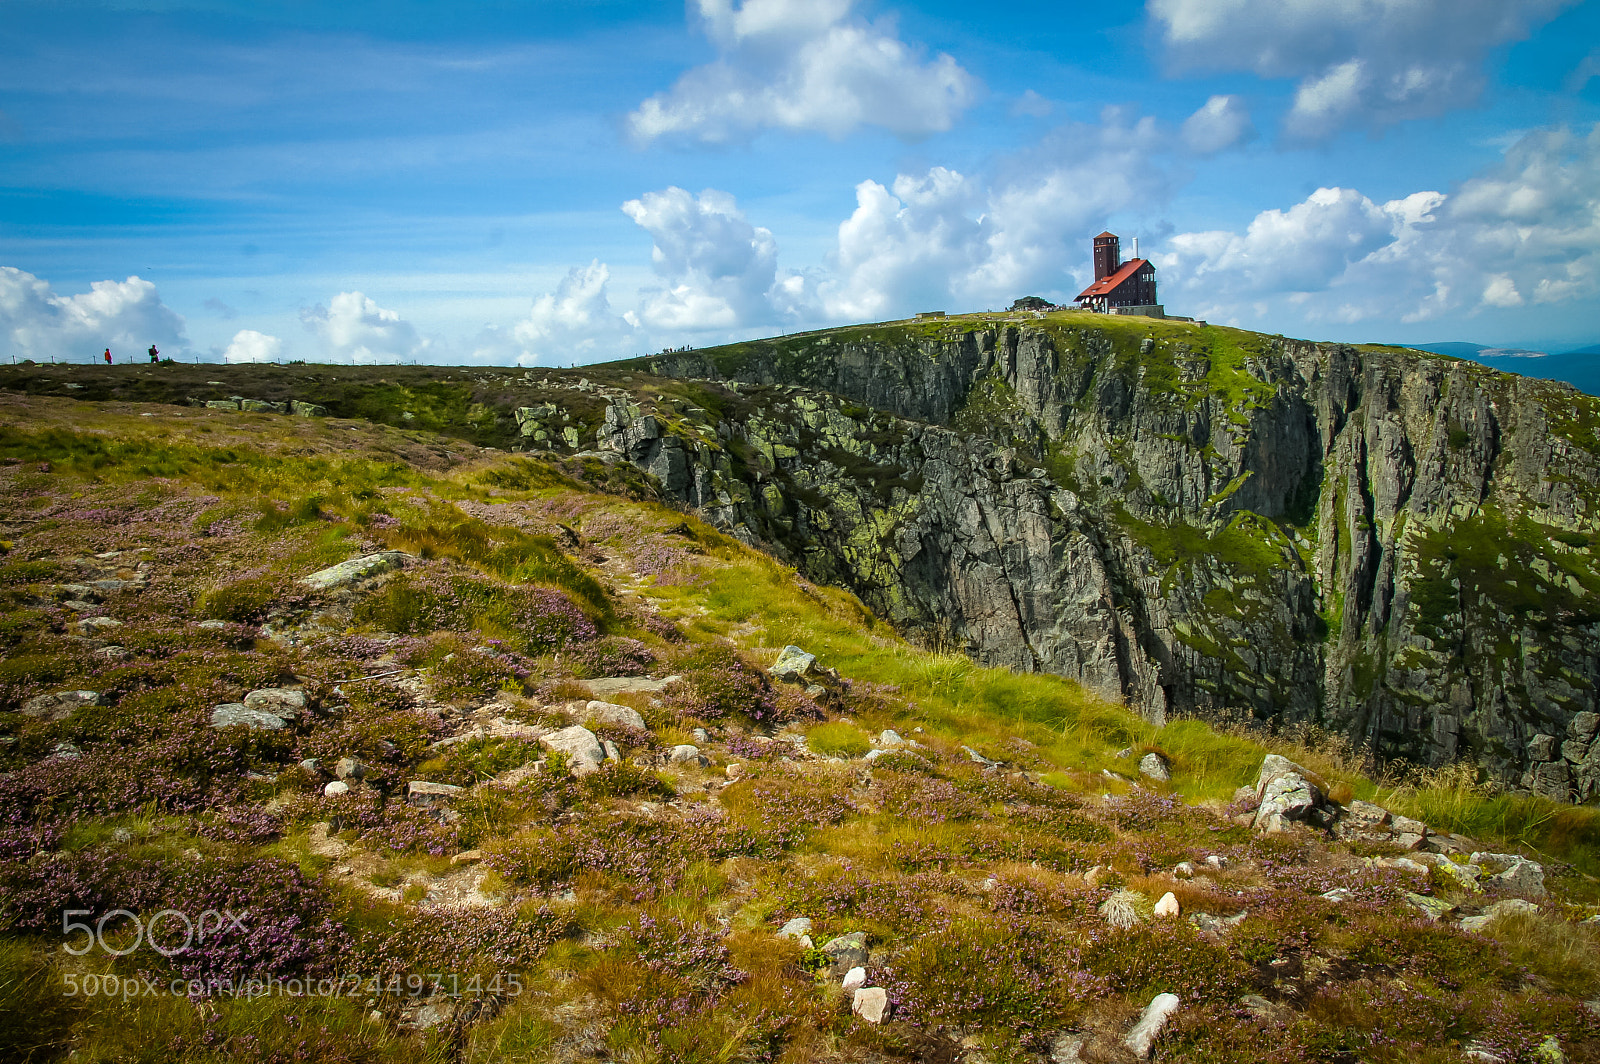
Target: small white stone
<point>336,788</point>
<point>1142,1038</point>
<point>871,1002</point>
<point>1168,905</point>
<point>855,979</point>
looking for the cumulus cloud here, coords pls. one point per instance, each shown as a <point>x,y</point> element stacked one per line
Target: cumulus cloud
<point>125,316</point>
<point>352,328</point>
<point>1222,123</point>
<point>1357,63</point>
<point>248,345</point>
<point>942,238</point>
<point>1526,231</point>
<point>574,323</point>
<point>804,65</point>
<point>720,270</point>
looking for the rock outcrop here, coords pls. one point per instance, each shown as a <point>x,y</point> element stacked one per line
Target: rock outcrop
<point>1191,519</point>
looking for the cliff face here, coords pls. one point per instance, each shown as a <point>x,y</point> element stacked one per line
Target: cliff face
<point>1198,520</point>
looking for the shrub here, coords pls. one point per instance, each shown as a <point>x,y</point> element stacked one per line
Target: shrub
<point>612,656</point>
<point>616,779</point>
<point>532,619</point>
<point>717,684</point>
<point>988,973</point>
<point>838,740</point>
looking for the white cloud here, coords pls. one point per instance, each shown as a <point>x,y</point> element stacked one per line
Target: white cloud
<point>125,316</point>
<point>1358,63</point>
<point>946,240</point>
<point>353,328</point>
<point>804,65</point>
<point>574,323</point>
<point>251,346</point>
<point>720,270</point>
<point>1525,231</point>
<point>1222,123</point>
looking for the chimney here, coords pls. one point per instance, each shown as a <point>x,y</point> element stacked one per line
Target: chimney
<point>1135,247</point>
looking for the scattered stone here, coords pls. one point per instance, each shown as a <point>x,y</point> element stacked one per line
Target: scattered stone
<point>212,625</point>
<point>1217,861</point>
<point>466,857</point>
<point>1183,870</point>
<point>355,570</point>
<point>425,795</point>
<point>798,667</point>
<point>612,753</point>
<point>64,751</point>
<point>1433,908</point>
<point>978,759</point>
<point>870,1003</point>
<point>336,788</point>
<point>1261,1010</point>
<point>1168,905</point>
<point>1519,875</point>
<point>1142,1038</point>
<point>700,735</point>
<point>799,927</point>
<point>300,409</point>
<point>1094,875</point>
<point>583,750</point>
<point>612,686</point>
<point>734,772</point>
<point>1155,766</point>
<point>311,766</point>
<point>1549,1051</point>
<point>684,754</point>
<point>612,713</point>
<point>847,951</point>
<point>1284,793</point>
<point>854,979</point>
<point>98,624</point>
<point>890,739</point>
<point>348,768</point>
<point>1067,1049</point>
<point>1125,753</point>
<point>59,706</point>
<point>323,843</point>
<point>1338,895</point>
<point>231,714</point>
<point>285,702</point>
<point>1463,877</point>
<point>437,1010</point>
<point>1506,907</point>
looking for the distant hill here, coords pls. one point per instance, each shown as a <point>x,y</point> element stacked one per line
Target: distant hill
<point>1580,368</point>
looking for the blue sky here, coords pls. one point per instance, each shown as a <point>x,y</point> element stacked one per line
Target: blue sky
<point>548,183</point>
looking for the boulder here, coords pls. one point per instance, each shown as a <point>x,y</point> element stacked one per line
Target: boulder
<point>1285,794</point>
<point>425,795</point>
<point>1505,907</point>
<point>854,979</point>
<point>285,702</point>
<point>890,739</point>
<point>1584,726</point>
<point>799,927</point>
<point>580,746</point>
<point>348,768</point>
<point>1517,874</point>
<point>870,1003</point>
<point>978,759</point>
<point>1363,821</point>
<point>847,951</point>
<point>1142,1038</point>
<point>1432,908</point>
<point>1542,748</point>
<point>59,706</point>
<point>356,570</point>
<point>686,754</point>
<point>301,409</point>
<point>614,714</point>
<point>231,714</point>
<point>1155,766</point>
<point>1168,905</point>
<point>263,406</point>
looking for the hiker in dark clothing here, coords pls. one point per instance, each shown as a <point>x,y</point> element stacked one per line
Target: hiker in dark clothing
<point>153,353</point>
<point>108,356</point>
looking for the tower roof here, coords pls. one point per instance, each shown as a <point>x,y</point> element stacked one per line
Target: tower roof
<point>1108,233</point>
<point>1110,282</point>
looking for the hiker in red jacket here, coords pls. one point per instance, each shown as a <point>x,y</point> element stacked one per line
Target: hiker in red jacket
<point>108,356</point>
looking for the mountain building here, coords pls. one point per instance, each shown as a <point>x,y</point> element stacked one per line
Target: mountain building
<point>1120,287</point>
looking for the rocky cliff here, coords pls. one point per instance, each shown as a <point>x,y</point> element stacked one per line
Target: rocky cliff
<point>1195,519</point>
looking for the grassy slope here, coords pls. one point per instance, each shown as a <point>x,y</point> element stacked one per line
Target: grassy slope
<point>290,497</point>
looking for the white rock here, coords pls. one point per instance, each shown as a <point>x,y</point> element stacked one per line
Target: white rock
<point>1155,766</point>
<point>284,702</point>
<point>870,1003</point>
<point>1142,1038</point>
<point>800,925</point>
<point>733,772</point>
<point>230,714</point>
<point>355,570</point>
<point>336,788</point>
<point>1520,876</point>
<point>578,743</point>
<point>855,979</point>
<point>1168,905</point>
<point>1183,870</point>
<point>684,754</point>
<point>1507,907</point>
<point>612,713</point>
<point>890,738</point>
<point>423,793</point>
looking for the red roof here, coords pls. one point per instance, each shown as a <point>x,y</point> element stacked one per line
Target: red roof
<point>1108,283</point>
<point>1108,233</point>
